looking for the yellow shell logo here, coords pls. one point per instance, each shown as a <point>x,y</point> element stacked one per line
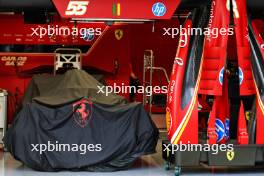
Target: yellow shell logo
<point>230,155</point>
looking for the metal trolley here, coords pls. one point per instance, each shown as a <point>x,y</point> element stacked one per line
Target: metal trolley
<point>149,68</point>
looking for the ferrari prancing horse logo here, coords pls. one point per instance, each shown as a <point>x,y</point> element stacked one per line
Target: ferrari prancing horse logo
<point>82,112</point>
<point>230,155</point>
<point>119,34</point>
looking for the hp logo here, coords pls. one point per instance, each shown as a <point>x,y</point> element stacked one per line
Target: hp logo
<point>87,36</point>
<point>159,9</point>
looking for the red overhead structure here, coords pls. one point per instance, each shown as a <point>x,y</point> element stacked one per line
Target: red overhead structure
<point>116,9</point>
<point>56,32</point>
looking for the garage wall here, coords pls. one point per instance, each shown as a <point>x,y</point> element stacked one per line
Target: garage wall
<point>163,46</point>
<point>128,49</point>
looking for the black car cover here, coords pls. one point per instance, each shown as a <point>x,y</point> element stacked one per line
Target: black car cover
<point>81,135</point>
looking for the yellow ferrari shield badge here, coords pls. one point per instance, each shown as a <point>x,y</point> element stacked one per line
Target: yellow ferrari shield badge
<point>119,34</point>
<point>230,155</point>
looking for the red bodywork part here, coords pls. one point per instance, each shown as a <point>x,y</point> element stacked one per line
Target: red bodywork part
<point>243,48</point>
<point>215,51</point>
<point>256,26</point>
<point>259,33</point>
<point>242,132</point>
<point>219,119</point>
<point>258,73</point>
<point>181,121</point>
<point>211,133</point>
<point>260,120</point>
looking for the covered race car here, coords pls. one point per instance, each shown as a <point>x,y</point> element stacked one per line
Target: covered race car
<point>70,126</point>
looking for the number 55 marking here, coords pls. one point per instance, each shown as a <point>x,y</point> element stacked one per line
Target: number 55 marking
<point>76,8</point>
